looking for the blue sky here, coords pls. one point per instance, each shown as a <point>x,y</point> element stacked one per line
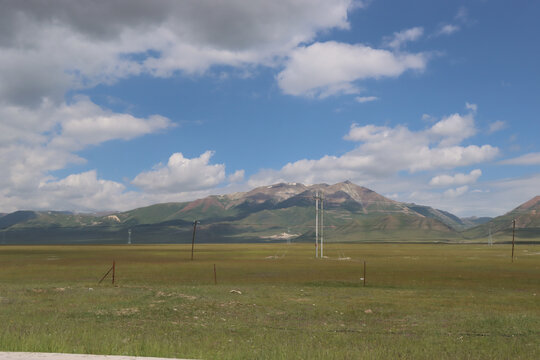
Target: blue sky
<point>112,105</point>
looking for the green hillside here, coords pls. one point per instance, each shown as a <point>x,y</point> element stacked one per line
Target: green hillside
<point>270,213</point>
<point>527,217</point>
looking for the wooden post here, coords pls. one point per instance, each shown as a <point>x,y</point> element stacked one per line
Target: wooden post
<point>107,273</point>
<point>364,273</point>
<point>113,271</point>
<point>513,237</point>
<point>193,239</point>
<point>215,276</point>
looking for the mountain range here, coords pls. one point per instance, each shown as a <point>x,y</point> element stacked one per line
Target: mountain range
<point>277,212</point>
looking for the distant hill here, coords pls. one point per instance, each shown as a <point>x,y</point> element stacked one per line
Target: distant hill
<point>16,217</point>
<point>443,216</point>
<point>265,214</point>
<point>527,216</point>
<point>473,221</point>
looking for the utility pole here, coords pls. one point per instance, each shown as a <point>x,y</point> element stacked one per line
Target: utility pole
<point>322,224</point>
<point>195,222</point>
<point>316,224</point>
<point>129,236</point>
<point>319,236</point>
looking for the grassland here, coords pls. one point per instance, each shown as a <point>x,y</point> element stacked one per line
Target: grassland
<point>420,301</point>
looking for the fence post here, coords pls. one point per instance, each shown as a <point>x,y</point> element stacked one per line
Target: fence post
<point>364,273</point>
<point>193,238</point>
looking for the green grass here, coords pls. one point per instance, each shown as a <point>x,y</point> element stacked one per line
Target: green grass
<point>425,301</point>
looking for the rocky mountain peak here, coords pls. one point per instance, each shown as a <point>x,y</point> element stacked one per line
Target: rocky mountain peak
<point>357,193</point>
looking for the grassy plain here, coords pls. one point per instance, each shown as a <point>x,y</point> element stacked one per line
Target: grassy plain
<point>423,301</point>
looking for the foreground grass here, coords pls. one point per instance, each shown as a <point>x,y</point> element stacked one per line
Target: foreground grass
<point>420,302</point>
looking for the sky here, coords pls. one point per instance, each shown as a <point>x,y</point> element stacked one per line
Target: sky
<point>117,104</point>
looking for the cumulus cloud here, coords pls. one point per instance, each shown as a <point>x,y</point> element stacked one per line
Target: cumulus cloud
<point>80,191</point>
<point>48,49</point>
<point>402,37</point>
<point>76,192</point>
<point>182,174</point>
<point>453,193</point>
<point>385,151</point>
<point>323,69</point>
<point>237,176</point>
<point>84,123</point>
<point>102,42</point>
<point>489,198</point>
<point>454,129</point>
<point>181,179</point>
<point>457,179</point>
<point>38,141</point>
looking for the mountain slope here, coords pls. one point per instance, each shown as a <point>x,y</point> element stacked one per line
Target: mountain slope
<point>266,213</point>
<point>445,217</point>
<point>15,218</point>
<point>527,216</point>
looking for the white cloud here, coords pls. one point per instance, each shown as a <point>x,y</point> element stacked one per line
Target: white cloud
<point>100,44</point>
<point>496,126</point>
<point>489,198</point>
<point>400,38</point>
<point>182,175</point>
<point>526,159</point>
<point>448,29</point>
<point>457,192</point>
<point>428,118</point>
<point>37,141</point>
<point>323,69</point>
<point>462,14</point>
<point>457,179</point>
<point>103,43</point>
<point>81,191</point>
<point>454,128</point>
<point>472,107</point>
<point>365,99</point>
<point>460,19</point>
<point>76,192</point>
<point>385,151</point>
<point>84,123</point>
<point>237,176</point>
